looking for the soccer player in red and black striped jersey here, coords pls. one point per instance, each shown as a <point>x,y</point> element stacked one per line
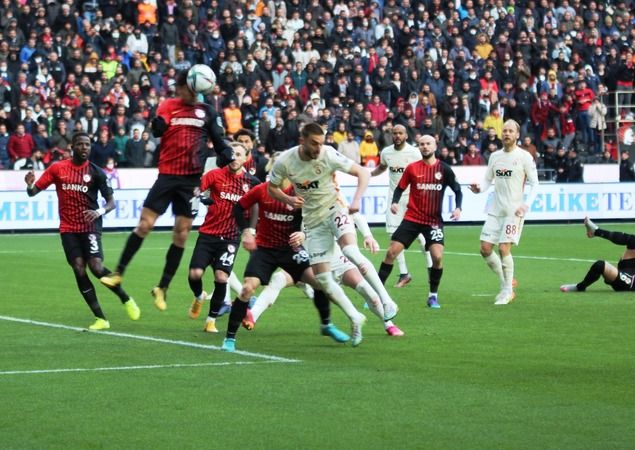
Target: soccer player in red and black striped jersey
<point>78,182</point>
<point>427,179</point>
<point>184,126</point>
<point>279,226</point>
<point>218,236</point>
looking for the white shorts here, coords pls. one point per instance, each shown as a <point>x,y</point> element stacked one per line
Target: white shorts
<point>320,239</point>
<point>340,265</point>
<point>502,230</point>
<point>394,220</point>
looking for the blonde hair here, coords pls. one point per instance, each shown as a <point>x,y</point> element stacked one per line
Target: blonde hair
<point>513,122</point>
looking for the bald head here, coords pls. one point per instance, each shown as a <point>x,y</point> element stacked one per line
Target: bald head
<point>427,146</point>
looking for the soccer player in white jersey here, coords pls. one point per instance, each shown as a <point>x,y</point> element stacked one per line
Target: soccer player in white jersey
<point>395,158</point>
<point>310,167</point>
<point>509,170</point>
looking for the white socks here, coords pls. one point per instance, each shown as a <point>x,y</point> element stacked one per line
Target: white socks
<point>368,271</point>
<point>508,271</point>
<point>372,299</point>
<point>422,242</point>
<point>269,294</point>
<point>401,261</point>
<point>494,263</point>
<point>336,293</point>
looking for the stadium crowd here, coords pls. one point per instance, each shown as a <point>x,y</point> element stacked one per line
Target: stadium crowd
<point>452,69</point>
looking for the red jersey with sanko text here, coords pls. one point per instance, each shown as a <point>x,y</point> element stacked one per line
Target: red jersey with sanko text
<point>276,220</point>
<point>186,135</point>
<point>427,185</point>
<point>77,188</point>
<point>225,190</point>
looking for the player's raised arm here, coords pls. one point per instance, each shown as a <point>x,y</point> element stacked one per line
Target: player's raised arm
<point>216,133</point>
<point>363,178</point>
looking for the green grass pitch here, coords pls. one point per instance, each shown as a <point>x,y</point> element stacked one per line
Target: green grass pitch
<point>550,371</point>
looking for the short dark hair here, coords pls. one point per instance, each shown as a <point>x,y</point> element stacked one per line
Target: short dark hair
<point>244,132</point>
<point>78,135</point>
<point>312,129</point>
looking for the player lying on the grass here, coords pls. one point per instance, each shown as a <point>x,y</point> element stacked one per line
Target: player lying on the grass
<point>620,278</point>
<point>218,237</point>
<point>276,245</point>
<point>345,273</point>
<point>427,180</point>
<point>77,182</point>
<point>396,158</point>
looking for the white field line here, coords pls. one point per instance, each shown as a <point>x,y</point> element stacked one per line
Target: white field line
<point>541,258</point>
<point>271,358</point>
<point>144,367</point>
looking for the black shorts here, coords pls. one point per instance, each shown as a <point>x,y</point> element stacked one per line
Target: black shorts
<point>175,189</point>
<point>408,231</point>
<point>264,261</point>
<point>625,281</point>
<point>82,245</point>
<point>214,251</point>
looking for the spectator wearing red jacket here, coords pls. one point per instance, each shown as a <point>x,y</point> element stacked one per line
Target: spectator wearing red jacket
<point>584,97</point>
<point>20,144</point>
<point>540,110</point>
<point>378,110</point>
<point>473,157</point>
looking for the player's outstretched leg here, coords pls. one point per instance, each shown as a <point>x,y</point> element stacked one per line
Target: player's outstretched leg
<point>616,237</point>
<point>590,227</point>
<point>595,272</point>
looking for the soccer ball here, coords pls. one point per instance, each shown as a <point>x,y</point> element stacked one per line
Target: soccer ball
<point>201,79</point>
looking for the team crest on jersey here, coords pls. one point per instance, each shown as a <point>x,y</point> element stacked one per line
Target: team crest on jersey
<point>317,169</point>
<point>231,248</point>
<point>437,176</point>
<point>245,187</point>
<point>87,178</point>
<point>199,113</point>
